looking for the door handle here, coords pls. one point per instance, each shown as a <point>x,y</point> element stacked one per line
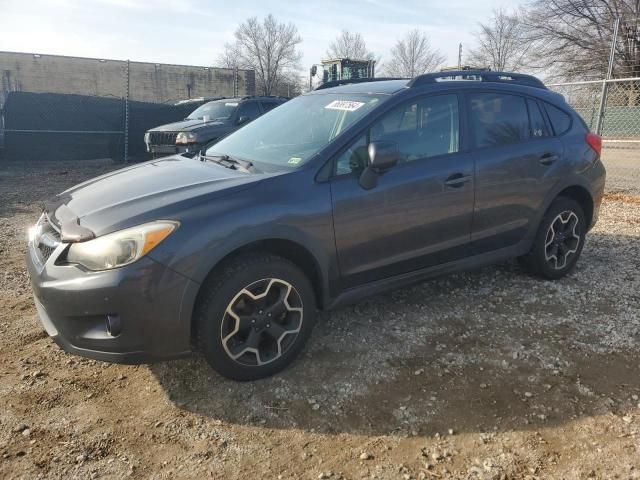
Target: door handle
<point>547,159</point>
<point>457,180</point>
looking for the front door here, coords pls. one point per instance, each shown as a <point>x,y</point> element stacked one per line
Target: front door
<point>420,212</point>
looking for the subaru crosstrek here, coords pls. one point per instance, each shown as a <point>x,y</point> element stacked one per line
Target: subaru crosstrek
<point>347,191</point>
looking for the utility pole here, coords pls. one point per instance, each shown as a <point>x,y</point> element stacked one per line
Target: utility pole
<point>460,56</point>
<point>605,84</point>
<point>126,113</point>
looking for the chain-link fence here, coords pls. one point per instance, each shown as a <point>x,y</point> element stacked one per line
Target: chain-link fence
<point>68,108</point>
<point>611,105</point>
<point>619,111</point>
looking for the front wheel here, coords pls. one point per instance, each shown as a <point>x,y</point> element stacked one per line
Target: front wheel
<point>255,316</point>
<point>559,240</point>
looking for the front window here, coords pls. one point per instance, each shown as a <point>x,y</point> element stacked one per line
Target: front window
<point>424,128</point>
<point>214,111</point>
<point>293,133</point>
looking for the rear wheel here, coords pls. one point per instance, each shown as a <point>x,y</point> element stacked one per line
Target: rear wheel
<point>559,240</point>
<point>255,316</point>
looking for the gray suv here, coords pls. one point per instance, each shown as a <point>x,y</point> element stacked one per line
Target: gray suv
<point>344,192</point>
<point>206,124</point>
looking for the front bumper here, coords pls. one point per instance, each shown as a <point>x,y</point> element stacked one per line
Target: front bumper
<point>152,303</point>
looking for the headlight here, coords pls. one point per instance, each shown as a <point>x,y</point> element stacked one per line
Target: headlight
<point>184,138</point>
<point>120,248</point>
<point>147,138</point>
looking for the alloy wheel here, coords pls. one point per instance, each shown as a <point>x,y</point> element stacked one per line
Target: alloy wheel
<point>262,322</point>
<point>562,240</point>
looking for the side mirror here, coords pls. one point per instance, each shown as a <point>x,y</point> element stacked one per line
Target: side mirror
<point>382,156</point>
<point>243,120</point>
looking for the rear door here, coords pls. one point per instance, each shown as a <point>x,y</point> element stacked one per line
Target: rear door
<point>517,162</point>
<point>419,214</point>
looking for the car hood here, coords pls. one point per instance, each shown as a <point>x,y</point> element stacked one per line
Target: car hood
<point>159,189</point>
<point>187,125</point>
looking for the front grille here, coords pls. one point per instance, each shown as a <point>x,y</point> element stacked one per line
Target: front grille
<point>163,138</point>
<point>45,252</point>
<point>46,239</point>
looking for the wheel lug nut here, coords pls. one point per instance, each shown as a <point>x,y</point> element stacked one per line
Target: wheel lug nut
<point>253,320</point>
<point>268,314</point>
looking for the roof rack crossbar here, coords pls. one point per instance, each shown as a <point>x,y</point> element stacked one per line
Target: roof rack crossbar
<point>481,75</point>
<point>347,81</point>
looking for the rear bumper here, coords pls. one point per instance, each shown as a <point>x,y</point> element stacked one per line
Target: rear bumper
<point>598,184</point>
<point>152,304</point>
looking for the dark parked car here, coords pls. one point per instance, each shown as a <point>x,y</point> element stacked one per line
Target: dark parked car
<point>341,193</point>
<point>206,124</point>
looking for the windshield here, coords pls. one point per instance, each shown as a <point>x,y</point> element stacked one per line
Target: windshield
<point>213,111</point>
<point>295,131</point>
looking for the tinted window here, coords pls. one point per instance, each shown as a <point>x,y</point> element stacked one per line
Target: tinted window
<point>538,127</point>
<point>422,129</point>
<point>498,119</point>
<point>560,121</point>
<point>266,106</point>
<point>249,109</point>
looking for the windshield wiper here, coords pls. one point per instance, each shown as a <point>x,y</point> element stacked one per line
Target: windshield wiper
<point>227,161</point>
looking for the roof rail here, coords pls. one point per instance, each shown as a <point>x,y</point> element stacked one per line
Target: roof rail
<point>262,96</point>
<point>477,75</point>
<point>348,81</point>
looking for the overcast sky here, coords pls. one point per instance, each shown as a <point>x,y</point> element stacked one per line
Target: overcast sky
<point>194,32</point>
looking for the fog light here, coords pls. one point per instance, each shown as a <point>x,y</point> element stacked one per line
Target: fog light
<point>114,325</point>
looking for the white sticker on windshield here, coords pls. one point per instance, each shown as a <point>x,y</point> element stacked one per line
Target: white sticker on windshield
<point>346,105</point>
<point>235,104</point>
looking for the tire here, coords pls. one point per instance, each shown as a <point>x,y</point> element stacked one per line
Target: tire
<point>255,316</point>
<point>555,252</point>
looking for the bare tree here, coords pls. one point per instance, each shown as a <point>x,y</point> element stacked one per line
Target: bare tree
<point>229,58</point>
<point>349,45</point>
<point>413,55</point>
<point>501,43</point>
<point>267,47</point>
<point>291,84</point>
<point>573,37</point>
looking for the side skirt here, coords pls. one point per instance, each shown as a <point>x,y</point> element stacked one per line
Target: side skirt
<point>355,294</point>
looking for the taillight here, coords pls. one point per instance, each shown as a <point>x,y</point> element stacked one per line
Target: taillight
<point>595,142</point>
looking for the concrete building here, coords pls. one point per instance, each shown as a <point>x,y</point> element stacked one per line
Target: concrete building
<point>147,82</point>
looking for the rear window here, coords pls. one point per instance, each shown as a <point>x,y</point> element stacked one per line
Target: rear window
<point>560,121</point>
<point>498,119</point>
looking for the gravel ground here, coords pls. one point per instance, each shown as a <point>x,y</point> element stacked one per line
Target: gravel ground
<point>489,374</point>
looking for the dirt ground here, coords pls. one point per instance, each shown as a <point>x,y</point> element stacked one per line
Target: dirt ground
<point>489,374</point>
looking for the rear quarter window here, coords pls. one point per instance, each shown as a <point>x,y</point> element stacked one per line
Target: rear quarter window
<point>560,120</point>
<point>538,126</point>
